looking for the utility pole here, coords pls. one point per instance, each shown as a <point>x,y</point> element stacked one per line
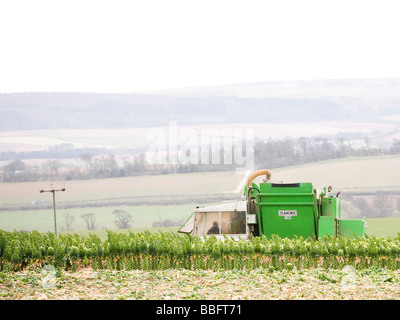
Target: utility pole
<point>53,191</point>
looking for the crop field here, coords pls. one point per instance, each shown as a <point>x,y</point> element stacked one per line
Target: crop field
<point>121,188</point>
<point>160,251</point>
<point>166,266</point>
<point>41,139</point>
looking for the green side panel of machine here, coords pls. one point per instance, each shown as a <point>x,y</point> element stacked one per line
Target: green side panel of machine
<point>331,207</point>
<point>327,226</point>
<point>352,228</point>
<point>330,214</point>
<point>287,210</point>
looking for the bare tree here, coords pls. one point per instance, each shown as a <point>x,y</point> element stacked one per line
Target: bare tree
<point>110,166</point>
<point>87,159</point>
<point>367,141</point>
<point>363,205</point>
<point>395,148</point>
<point>105,166</point>
<point>51,167</point>
<point>69,219</point>
<point>382,205</point>
<point>11,169</point>
<point>123,219</point>
<point>90,220</point>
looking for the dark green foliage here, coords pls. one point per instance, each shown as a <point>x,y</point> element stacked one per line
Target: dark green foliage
<point>160,251</point>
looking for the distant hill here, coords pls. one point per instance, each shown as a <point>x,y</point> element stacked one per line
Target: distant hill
<point>311,101</point>
<point>358,88</point>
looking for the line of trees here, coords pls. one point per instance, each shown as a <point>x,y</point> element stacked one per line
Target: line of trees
<point>89,167</point>
<point>59,151</point>
<point>97,167</point>
<point>275,154</point>
<point>267,154</point>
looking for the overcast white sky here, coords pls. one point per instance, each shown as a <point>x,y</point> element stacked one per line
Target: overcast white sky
<point>130,46</point>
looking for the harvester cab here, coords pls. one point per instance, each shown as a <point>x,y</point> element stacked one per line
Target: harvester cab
<point>283,209</point>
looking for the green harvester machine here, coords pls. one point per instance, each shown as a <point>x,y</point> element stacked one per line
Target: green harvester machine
<point>283,209</point>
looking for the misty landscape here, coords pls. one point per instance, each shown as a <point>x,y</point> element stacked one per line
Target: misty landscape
<point>364,100</point>
<point>208,150</point>
<point>74,139</point>
<point>119,211</point>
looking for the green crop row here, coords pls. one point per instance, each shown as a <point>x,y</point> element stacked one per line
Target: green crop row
<point>160,251</point>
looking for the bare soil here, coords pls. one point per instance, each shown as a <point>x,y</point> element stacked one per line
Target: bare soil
<point>317,284</point>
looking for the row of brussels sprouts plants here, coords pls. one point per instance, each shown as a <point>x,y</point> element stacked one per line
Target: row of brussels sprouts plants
<point>159,251</point>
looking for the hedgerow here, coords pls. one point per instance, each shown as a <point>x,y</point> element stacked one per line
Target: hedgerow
<point>161,251</point>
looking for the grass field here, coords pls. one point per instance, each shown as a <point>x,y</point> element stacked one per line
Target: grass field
<point>43,220</point>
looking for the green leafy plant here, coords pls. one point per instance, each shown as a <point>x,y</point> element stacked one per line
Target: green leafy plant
<point>161,251</point>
